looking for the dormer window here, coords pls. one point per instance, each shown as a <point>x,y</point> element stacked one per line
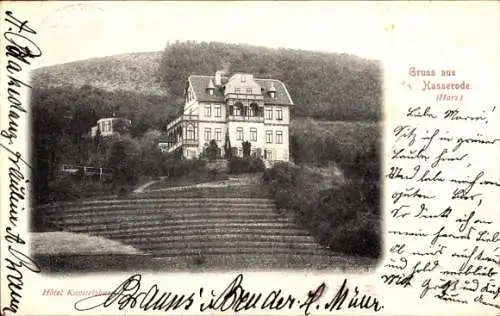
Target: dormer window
<point>272,91</point>
<point>211,87</point>
<point>243,78</point>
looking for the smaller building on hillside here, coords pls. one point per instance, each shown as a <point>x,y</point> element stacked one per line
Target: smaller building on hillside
<point>111,125</point>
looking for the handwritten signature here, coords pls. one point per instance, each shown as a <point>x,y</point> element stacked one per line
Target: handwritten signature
<point>440,184</point>
<point>234,297</point>
<point>20,50</point>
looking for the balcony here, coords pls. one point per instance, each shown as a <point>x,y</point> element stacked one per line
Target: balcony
<point>190,142</point>
<point>185,117</point>
<point>172,145</point>
<point>242,96</point>
<point>239,118</point>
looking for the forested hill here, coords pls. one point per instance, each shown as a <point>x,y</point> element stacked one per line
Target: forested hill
<point>136,72</point>
<point>323,85</point>
<point>147,87</point>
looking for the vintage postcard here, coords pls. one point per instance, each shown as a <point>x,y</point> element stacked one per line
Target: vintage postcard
<point>263,158</point>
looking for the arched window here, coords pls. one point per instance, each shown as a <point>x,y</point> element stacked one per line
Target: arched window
<point>238,109</point>
<point>190,132</point>
<point>231,110</point>
<point>254,109</point>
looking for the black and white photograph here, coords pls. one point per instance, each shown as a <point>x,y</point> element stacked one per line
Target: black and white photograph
<point>249,157</point>
<point>198,137</point>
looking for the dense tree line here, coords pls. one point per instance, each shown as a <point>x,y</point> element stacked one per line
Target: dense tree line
<point>328,86</point>
<point>321,142</point>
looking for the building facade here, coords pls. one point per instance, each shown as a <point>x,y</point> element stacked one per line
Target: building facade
<point>111,125</point>
<point>240,108</point>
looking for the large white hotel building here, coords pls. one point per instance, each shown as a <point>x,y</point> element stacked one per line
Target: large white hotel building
<point>244,107</point>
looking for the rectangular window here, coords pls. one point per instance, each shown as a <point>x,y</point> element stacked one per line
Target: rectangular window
<point>269,114</point>
<point>240,152</point>
<point>217,110</point>
<point>190,133</point>
<point>237,111</point>
<point>279,137</point>
<point>249,90</point>
<point>218,134</point>
<point>279,114</point>
<point>268,154</point>
<point>253,134</point>
<point>237,90</point>
<point>208,110</point>
<point>208,134</point>
<point>269,137</point>
<point>239,133</point>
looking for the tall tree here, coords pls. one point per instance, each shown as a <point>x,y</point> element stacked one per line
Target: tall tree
<point>228,154</point>
<point>247,148</point>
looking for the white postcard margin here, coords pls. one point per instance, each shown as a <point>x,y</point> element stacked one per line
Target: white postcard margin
<point>428,36</point>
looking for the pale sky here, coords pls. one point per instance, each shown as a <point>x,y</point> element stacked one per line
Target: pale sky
<point>69,31</point>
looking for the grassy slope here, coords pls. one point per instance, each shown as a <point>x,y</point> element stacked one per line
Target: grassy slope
<point>57,243</point>
<point>136,72</point>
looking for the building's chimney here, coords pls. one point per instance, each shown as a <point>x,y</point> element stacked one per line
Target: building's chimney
<point>272,90</point>
<point>218,77</point>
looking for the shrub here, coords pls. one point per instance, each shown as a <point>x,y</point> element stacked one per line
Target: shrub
<point>179,167</point>
<point>245,165</point>
<point>213,174</point>
<point>211,150</point>
<point>63,188</point>
<point>345,218</point>
<point>124,156</point>
<point>356,237</point>
<point>256,164</point>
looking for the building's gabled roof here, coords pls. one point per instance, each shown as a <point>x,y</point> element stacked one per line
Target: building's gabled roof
<point>200,84</point>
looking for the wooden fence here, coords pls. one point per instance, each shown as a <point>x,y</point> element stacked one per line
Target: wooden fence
<point>87,171</point>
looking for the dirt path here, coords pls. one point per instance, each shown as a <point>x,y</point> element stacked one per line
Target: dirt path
<point>236,180</point>
<point>143,187</point>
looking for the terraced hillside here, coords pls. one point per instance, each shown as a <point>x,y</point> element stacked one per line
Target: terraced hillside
<point>234,227</point>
